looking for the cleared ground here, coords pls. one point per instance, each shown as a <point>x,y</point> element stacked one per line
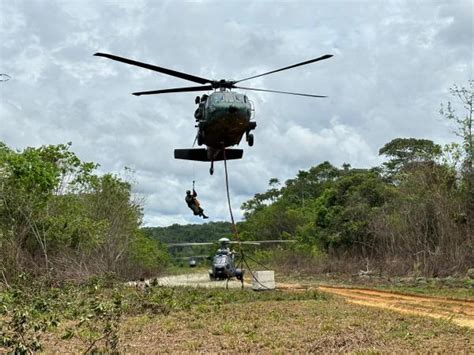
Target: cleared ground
<point>460,312</point>
<point>293,318</point>
<point>314,326</point>
<point>294,326</point>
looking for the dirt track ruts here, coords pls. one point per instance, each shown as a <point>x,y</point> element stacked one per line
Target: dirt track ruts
<point>460,312</point>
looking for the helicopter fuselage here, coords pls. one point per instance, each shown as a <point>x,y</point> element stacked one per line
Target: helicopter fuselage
<point>223,118</point>
<point>223,267</point>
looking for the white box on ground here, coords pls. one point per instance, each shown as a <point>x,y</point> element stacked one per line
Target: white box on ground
<point>263,280</point>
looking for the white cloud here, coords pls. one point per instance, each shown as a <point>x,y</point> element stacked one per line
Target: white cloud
<point>392,65</point>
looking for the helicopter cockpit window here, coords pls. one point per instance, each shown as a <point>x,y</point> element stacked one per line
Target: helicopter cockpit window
<point>239,98</point>
<point>229,97</point>
<point>217,98</point>
<point>219,260</point>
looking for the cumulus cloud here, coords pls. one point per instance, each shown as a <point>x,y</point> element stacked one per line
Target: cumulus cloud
<point>393,63</point>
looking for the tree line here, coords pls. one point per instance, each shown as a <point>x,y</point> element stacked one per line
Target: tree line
<point>59,218</point>
<point>415,213</point>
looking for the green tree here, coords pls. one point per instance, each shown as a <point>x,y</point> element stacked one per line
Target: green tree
<point>33,183</point>
<point>404,153</point>
<point>464,96</point>
<point>58,217</point>
<point>262,199</point>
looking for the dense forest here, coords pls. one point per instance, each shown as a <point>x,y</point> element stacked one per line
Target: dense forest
<point>412,215</point>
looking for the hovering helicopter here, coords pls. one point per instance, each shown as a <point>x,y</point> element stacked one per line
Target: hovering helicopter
<point>223,117</point>
<point>223,266</point>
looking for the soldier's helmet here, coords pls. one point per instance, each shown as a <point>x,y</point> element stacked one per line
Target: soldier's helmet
<point>188,192</point>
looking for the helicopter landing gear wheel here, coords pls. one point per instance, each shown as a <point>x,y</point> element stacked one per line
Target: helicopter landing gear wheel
<point>250,139</point>
<point>211,169</point>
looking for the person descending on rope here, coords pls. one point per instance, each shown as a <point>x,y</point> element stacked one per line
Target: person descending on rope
<point>194,204</point>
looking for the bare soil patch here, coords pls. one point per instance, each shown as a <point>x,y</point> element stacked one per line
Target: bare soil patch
<point>460,312</point>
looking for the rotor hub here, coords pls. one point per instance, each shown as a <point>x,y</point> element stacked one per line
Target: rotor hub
<point>222,84</point>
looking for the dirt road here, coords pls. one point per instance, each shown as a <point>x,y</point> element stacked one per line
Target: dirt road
<point>460,312</point>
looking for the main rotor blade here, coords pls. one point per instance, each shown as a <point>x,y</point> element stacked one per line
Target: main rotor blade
<point>275,241</point>
<point>326,56</point>
<point>175,73</point>
<point>192,257</point>
<point>254,242</point>
<point>167,91</point>
<point>189,244</point>
<point>279,92</point>
<point>243,242</point>
<point>258,242</point>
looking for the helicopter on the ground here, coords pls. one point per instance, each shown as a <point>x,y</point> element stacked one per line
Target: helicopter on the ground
<point>192,262</point>
<point>224,264</point>
<point>223,117</point>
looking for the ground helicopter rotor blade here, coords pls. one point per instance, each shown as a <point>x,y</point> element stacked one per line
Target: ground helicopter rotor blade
<point>244,242</point>
<point>192,257</point>
<point>326,56</point>
<point>280,92</point>
<point>167,91</point>
<point>258,242</point>
<point>252,242</point>
<point>189,244</point>
<point>274,241</point>
<point>156,68</point>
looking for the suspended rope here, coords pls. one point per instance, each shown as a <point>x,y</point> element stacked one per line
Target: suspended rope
<point>234,227</point>
<point>236,234</point>
<point>194,173</point>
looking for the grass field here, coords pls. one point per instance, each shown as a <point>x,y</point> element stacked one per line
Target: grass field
<point>100,317</point>
<point>325,324</point>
